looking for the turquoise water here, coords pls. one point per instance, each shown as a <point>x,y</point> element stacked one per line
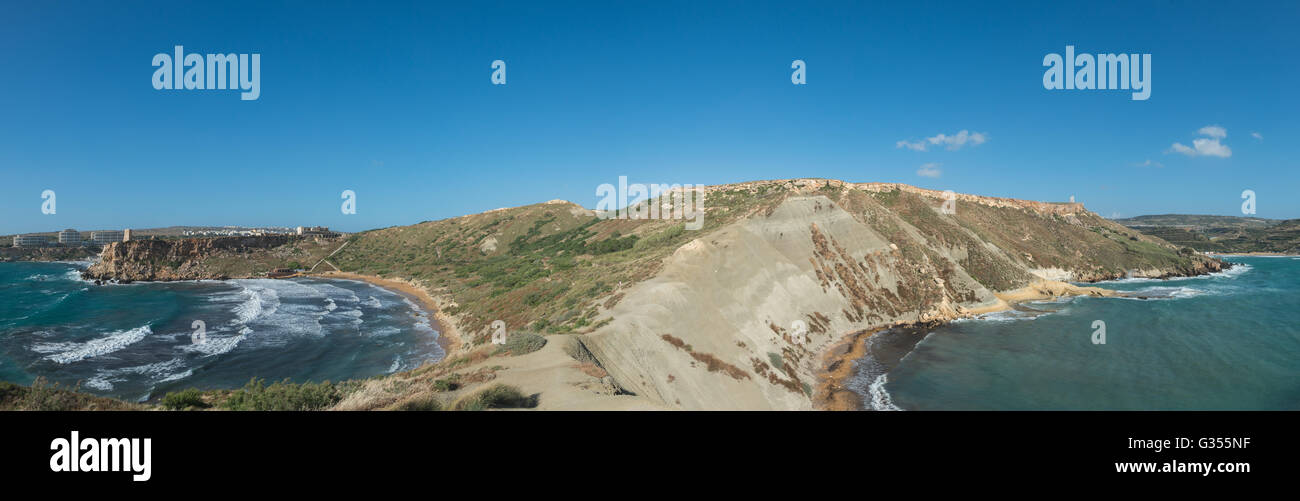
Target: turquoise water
<point>139,340</point>
<point>1225,341</point>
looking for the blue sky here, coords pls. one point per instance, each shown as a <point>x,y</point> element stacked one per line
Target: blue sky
<point>395,102</point>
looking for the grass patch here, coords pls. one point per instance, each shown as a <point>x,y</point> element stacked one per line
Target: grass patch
<point>520,343</point>
<point>423,403</point>
<point>497,397</point>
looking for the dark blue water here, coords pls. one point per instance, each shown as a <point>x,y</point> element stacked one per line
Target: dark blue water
<point>1224,341</point>
<point>140,340</point>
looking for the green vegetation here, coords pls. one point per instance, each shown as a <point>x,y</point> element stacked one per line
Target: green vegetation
<point>287,396</point>
<point>449,383</point>
<point>496,397</point>
<point>420,403</point>
<point>549,266</point>
<point>520,343</point>
<point>43,395</point>
<point>183,400</point>
<point>1225,234</point>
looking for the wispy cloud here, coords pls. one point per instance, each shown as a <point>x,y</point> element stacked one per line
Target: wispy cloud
<point>1205,146</point>
<point>1213,131</point>
<point>929,170</point>
<point>1149,163</point>
<point>953,142</point>
<point>1257,136</point>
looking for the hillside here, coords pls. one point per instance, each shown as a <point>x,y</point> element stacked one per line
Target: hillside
<point>704,319</point>
<point>1197,221</point>
<point>740,314</point>
<point>1223,234</point>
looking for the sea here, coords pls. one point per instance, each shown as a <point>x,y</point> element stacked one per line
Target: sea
<point>1225,341</point>
<point>141,340</point>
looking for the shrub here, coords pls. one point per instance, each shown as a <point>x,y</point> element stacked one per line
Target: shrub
<point>496,397</point>
<point>421,403</point>
<point>283,396</point>
<point>46,396</point>
<point>184,399</point>
<point>447,384</point>
<point>520,343</point>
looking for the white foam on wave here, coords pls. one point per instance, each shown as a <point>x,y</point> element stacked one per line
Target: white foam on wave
<point>880,398</point>
<point>373,302</point>
<point>330,305</point>
<point>68,352</point>
<point>260,301</point>
<point>216,345</point>
<point>1001,316</point>
<point>158,372</point>
<point>1237,269</point>
<point>1168,292</point>
<point>285,308</point>
<point>383,332</point>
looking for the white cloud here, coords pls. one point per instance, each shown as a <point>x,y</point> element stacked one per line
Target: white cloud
<point>1257,136</point>
<point>1205,146</point>
<point>929,170</point>
<point>1149,163</point>
<point>1213,131</point>
<point>953,142</point>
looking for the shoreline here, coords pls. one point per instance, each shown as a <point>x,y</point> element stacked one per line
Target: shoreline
<point>448,334</point>
<point>839,360</point>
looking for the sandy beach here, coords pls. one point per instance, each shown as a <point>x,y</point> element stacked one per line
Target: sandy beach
<point>449,335</point>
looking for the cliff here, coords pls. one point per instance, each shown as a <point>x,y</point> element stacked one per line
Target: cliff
<point>740,314</point>
<point>202,258</point>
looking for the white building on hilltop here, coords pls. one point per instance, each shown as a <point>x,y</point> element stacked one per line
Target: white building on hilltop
<point>30,240</point>
<point>105,237</point>
<point>69,237</point>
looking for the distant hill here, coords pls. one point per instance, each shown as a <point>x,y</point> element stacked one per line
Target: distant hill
<point>1226,234</point>
<point>1196,221</point>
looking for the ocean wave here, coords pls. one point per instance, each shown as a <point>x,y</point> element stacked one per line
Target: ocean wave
<point>880,398</point>
<point>259,302</point>
<point>159,372</point>
<point>216,345</point>
<point>373,302</point>
<point>68,352</point>
<point>383,331</point>
<point>1168,292</point>
<point>1235,271</point>
<point>85,263</point>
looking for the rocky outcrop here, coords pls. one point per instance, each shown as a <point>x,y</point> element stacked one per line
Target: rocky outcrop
<point>166,260</point>
<point>8,254</point>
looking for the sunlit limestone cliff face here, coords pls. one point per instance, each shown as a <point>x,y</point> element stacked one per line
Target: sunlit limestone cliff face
<point>719,326</point>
